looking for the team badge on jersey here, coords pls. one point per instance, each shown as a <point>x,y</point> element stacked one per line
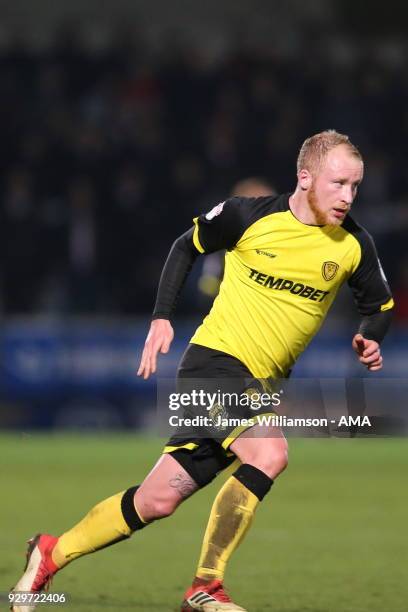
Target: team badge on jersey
<point>214,212</point>
<point>217,413</point>
<point>329,270</point>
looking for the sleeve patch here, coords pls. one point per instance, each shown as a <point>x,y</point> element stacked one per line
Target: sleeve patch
<point>214,212</point>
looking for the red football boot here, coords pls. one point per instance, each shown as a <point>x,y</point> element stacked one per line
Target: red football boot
<point>209,597</point>
<point>39,569</point>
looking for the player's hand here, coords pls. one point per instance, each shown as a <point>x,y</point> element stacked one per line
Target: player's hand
<point>158,339</point>
<point>368,352</point>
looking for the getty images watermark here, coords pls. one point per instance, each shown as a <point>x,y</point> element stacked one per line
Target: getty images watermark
<point>250,398</point>
<point>216,405</point>
<point>222,409</point>
<point>301,407</point>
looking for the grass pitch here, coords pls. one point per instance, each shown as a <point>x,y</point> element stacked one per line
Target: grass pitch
<point>330,537</point>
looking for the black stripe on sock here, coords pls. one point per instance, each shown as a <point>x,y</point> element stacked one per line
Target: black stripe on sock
<point>253,479</point>
<point>129,512</point>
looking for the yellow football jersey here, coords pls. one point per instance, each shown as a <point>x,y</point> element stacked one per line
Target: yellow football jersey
<point>281,277</point>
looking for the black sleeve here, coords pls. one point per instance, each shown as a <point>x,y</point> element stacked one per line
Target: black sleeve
<point>370,289</point>
<point>178,264</point>
<point>368,283</point>
<point>375,326</point>
<point>223,226</point>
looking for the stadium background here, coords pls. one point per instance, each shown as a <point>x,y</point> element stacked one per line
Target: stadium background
<point>119,122</point>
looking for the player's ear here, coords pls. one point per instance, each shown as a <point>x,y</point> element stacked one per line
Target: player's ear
<point>305,179</point>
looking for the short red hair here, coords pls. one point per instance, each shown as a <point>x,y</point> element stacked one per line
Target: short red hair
<point>314,150</point>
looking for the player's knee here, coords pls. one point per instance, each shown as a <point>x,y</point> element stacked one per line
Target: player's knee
<point>277,460</point>
<point>158,507</point>
<point>164,507</point>
<point>270,456</point>
<point>280,459</point>
<point>273,465</point>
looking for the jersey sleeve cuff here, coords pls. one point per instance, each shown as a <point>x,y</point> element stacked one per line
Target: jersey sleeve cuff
<point>388,305</point>
<point>160,315</point>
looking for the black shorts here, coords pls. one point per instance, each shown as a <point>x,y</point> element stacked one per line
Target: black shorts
<point>203,450</point>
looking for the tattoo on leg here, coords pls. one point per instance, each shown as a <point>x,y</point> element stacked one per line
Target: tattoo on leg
<point>183,484</point>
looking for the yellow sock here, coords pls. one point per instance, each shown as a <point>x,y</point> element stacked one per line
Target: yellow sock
<point>230,518</point>
<point>102,526</point>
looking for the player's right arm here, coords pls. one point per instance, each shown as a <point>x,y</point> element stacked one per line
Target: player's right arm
<point>158,339</point>
<point>219,229</point>
<point>374,301</point>
<point>181,258</point>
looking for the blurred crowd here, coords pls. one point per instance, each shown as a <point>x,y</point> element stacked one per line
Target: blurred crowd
<point>106,157</point>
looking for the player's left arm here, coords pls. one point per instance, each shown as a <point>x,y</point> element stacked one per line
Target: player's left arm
<point>374,302</point>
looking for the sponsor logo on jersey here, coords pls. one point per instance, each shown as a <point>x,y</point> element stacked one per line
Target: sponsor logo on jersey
<point>285,284</point>
<point>329,270</point>
<point>214,212</point>
<point>259,252</point>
